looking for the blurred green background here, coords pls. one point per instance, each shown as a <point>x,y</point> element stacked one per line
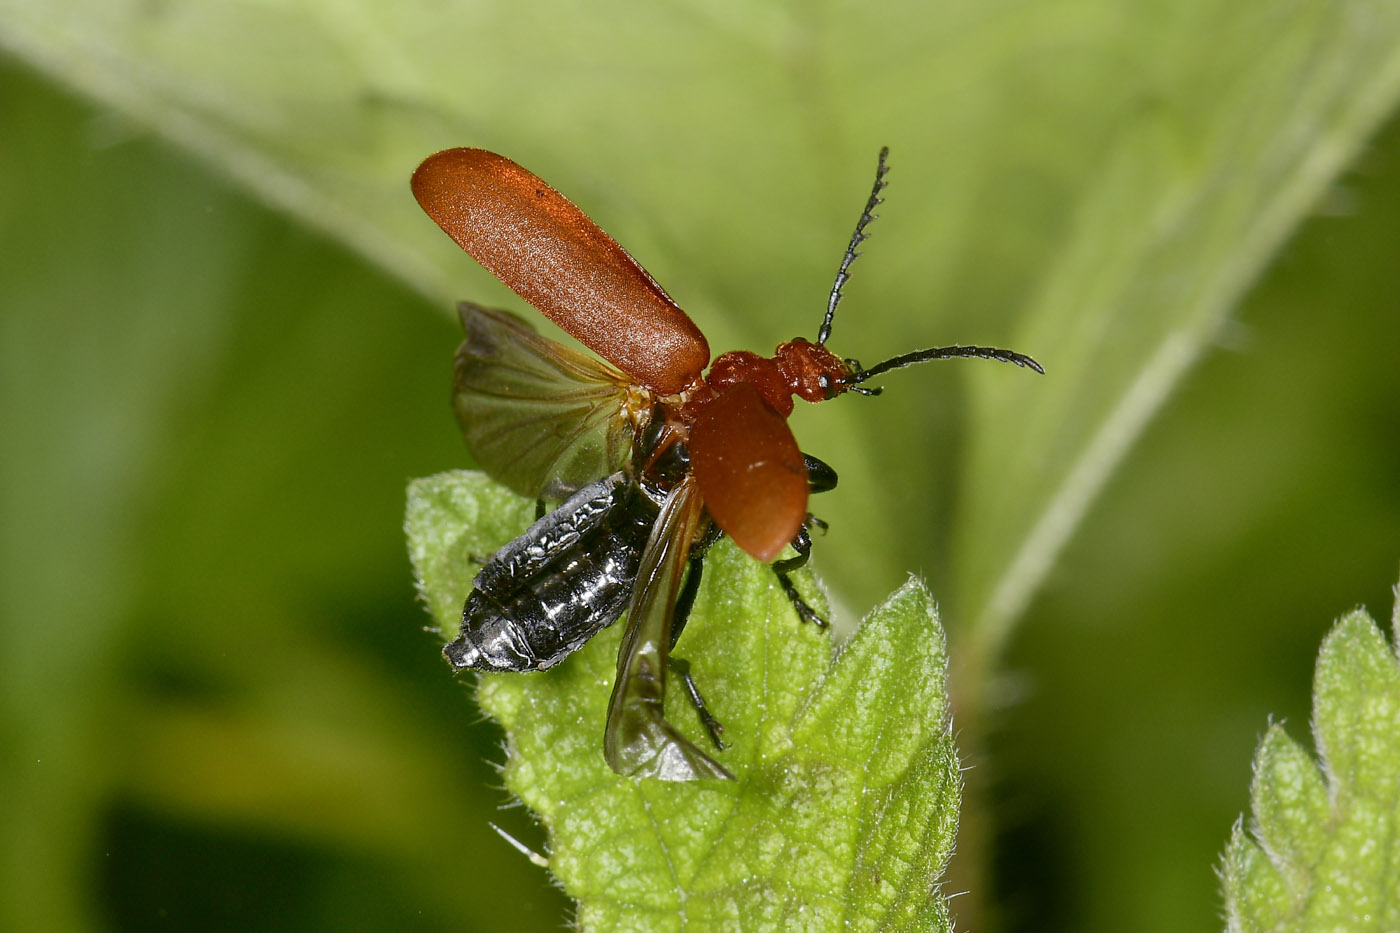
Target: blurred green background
<point>225,340</point>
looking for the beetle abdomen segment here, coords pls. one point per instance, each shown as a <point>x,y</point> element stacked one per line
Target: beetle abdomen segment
<point>550,590</point>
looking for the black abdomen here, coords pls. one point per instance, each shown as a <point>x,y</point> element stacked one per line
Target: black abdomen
<point>550,590</point>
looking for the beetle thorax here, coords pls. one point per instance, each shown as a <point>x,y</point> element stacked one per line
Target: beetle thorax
<point>765,375</point>
<point>807,370</point>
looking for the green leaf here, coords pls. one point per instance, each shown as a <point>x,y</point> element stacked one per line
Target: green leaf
<point>1323,852</point>
<point>845,807</point>
<point>453,522</point>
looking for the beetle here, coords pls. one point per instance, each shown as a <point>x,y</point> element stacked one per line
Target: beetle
<point>653,455</point>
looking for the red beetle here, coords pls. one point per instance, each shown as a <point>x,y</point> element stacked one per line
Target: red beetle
<point>547,421</point>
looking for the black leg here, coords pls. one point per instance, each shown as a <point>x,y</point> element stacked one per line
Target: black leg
<point>539,509</point>
<point>711,724</point>
<point>820,476</point>
<point>802,544</point>
<point>686,600</point>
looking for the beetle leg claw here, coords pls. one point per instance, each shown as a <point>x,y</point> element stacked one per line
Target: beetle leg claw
<point>804,611</point>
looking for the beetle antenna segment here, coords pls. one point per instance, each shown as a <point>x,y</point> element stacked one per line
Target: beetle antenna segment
<point>857,238</point>
<point>945,353</point>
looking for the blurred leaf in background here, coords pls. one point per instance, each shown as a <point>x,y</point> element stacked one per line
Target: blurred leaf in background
<point>1322,850</point>
<point>219,708</point>
<point>1189,608</point>
<point>211,414</point>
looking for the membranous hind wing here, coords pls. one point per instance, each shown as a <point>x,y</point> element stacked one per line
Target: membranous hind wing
<point>541,418</point>
<point>638,741</point>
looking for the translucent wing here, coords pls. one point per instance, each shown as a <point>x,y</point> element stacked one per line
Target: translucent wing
<point>539,417</point>
<point>638,740</point>
<point>750,471</point>
<point>551,254</point>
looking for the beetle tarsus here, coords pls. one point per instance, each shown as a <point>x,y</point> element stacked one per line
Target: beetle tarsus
<point>805,612</point>
<point>802,544</point>
<point>713,726</point>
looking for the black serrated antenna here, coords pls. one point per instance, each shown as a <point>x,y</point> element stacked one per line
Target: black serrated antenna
<point>857,238</point>
<point>945,353</point>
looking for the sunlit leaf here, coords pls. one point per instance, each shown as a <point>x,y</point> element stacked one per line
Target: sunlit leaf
<point>845,806</point>
<point>1322,852</point>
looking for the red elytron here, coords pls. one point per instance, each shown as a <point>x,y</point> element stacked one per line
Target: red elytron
<point>542,418</point>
